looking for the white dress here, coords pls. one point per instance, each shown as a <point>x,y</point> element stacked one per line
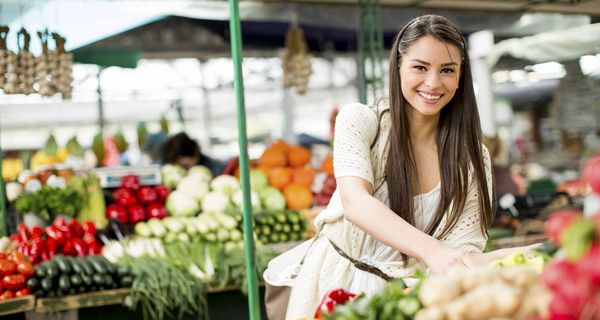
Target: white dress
<point>323,268</point>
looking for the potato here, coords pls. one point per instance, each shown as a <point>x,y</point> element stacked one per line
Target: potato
<point>438,290</point>
<point>522,276</point>
<point>432,313</point>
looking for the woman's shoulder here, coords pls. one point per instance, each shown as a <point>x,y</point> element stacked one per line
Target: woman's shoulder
<point>361,114</point>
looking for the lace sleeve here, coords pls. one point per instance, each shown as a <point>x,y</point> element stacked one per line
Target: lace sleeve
<point>355,129</point>
<point>466,235</point>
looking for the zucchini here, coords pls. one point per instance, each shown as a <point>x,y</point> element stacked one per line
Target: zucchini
<point>97,265</point>
<point>63,264</point>
<point>87,280</point>
<point>110,268</point>
<point>46,284</point>
<point>75,280</point>
<point>126,281</point>
<point>76,266</point>
<point>33,283</point>
<point>52,268</point>
<point>108,280</point>
<point>98,279</point>
<point>123,271</point>
<point>64,284</point>
<point>40,270</point>
<point>86,265</point>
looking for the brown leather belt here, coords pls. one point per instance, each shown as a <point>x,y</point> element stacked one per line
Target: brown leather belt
<point>361,265</point>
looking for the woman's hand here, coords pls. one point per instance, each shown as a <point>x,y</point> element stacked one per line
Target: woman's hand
<point>442,258</point>
<point>476,259</point>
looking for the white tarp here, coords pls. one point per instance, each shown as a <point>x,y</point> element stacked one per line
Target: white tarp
<point>559,45</point>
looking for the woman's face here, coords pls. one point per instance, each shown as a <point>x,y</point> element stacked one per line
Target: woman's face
<point>429,75</point>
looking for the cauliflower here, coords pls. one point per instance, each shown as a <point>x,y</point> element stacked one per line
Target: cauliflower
<point>201,171</point>
<point>272,199</point>
<point>238,199</point>
<point>194,186</point>
<point>215,201</point>
<point>258,180</point>
<point>171,174</point>
<point>181,204</point>
<point>225,184</point>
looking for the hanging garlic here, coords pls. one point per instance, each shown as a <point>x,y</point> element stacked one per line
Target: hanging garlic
<point>25,63</point>
<point>64,74</point>
<point>296,61</point>
<point>44,64</point>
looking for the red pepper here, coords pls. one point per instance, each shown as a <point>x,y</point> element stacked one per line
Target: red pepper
<point>156,210</point>
<point>37,246</point>
<point>23,232</point>
<point>76,229</point>
<point>37,232</point>
<point>14,282</point>
<point>7,267</point>
<point>7,295</point>
<point>24,248</point>
<point>23,292</point>
<point>80,247</point>
<point>162,193</point>
<point>60,223</point>
<point>124,197</point>
<point>130,181</point>
<point>114,211</point>
<point>146,195</point>
<point>14,237</point>
<point>137,213</point>
<point>53,233</point>
<point>46,254</point>
<point>68,249</point>
<point>331,300</point>
<point>88,227</point>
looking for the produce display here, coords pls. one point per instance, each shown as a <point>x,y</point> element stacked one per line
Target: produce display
<point>65,275</point>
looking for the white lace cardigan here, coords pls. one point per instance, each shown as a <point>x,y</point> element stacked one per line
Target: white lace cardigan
<point>356,127</point>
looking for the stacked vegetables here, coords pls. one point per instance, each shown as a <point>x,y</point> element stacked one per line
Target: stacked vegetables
<point>574,279</point>
<point>281,226</point>
<point>15,269</point>
<point>65,275</point>
<point>59,238</point>
<point>134,203</point>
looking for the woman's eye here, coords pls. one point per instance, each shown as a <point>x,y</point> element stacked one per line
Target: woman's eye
<point>420,68</point>
<point>447,70</point>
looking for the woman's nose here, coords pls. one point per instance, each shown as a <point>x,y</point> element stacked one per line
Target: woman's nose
<point>433,80</point>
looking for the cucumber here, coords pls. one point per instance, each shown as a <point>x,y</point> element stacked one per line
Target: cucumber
<point>40,270</point>
<point>108,280</point>
<point>52,268</point>
<point>77,267</point>
<point>46,284</point>
<point>110,268</point>
<point>64,284</point>
<point>75,280</point>
<point>86,265</point>
<point>123,271</point>
<point>63,264</point>
<point>87,280</point>
<point>97,265</point>
<point>98,279</point>
<point>126,281</point>
<point>33,283</point>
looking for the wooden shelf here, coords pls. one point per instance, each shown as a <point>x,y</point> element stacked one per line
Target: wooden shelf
<point>84,300</point>
<point>17,305</point>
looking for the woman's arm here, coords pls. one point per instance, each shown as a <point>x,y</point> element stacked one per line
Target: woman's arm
<point>376,219</point>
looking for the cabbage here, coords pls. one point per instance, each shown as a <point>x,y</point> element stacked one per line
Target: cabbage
<point>215,201</point>
<point>238,199</point>
<point>201,171</point>
<point>258,180</point>
<point>172,174</point>
<point>194,186</point>
<point>181,204</point>
<point>225,184</point>
<point>272,199</point>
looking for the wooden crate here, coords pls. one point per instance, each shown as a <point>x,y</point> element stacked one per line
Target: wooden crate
<point>84,300</point>
<point>17,305</point>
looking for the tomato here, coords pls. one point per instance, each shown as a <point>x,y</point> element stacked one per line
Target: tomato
<point>6,295</point>
<point>14,282</point>
<point>25,268</point>
<point>23,292</point>
<point>17,257</point>
<point>7,267</point>
<point>3,255</point>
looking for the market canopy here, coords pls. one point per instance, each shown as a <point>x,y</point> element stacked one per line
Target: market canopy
<point>560,45</point>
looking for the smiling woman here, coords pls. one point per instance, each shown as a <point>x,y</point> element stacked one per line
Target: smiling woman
<point>414,181</point>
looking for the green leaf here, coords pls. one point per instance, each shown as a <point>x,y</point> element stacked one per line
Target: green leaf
<point>51,147</point>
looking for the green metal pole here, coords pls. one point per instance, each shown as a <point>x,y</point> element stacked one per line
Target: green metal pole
<point>3,211</point>
<point>236,54</point>
<point>360,41</point>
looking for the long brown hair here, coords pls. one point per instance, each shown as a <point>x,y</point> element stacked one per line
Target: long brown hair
<point>458,130</point>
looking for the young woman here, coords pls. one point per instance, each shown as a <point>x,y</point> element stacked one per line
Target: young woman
<point>415,185</point>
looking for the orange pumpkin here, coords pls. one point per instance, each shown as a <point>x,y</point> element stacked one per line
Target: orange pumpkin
<point>304,176</point>
<point>272,158</point>
<point>297,196</point>
<point>327,165</point>
<point>280,177</point>
<point>298,157</point>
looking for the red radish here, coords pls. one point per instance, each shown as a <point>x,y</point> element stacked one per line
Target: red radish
<point>137,213</point>
<point>117,212</point>
<point>162,192</point>
<point>156,210</point>
<point>124,197</point>
<point>559,222</point>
